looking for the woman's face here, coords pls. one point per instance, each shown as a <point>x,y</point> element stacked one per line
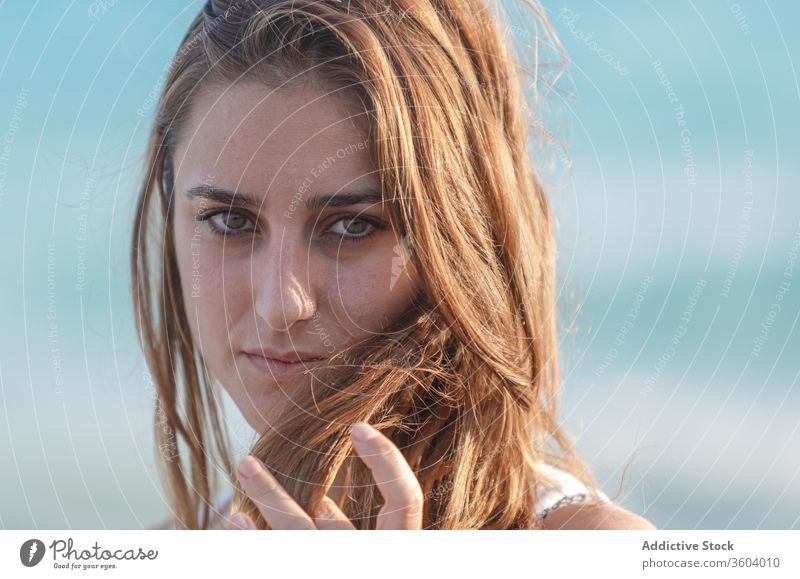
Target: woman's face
<point>302,261</point>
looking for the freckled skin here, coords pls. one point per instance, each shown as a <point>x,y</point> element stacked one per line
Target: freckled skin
<point>292,281</point>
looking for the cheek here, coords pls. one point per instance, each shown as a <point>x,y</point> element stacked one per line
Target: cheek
<point>376,290</point>
<point>199,266</point>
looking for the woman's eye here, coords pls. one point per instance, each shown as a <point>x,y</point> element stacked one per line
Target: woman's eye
<point>231,223</point>
<point>354,228</point>
<point>227,222</point>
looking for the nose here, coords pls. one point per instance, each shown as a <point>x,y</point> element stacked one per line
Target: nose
<point>282,283</point>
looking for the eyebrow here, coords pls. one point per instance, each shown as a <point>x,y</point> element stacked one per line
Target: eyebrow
<point>342,199</point>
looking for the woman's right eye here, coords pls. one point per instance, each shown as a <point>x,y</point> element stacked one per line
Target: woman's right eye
<point>227,222</point>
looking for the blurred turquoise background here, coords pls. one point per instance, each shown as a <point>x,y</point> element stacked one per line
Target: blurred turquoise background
<point>678,220</point>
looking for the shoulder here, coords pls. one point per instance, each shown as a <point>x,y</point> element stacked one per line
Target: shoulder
<point>564,502</point>
<point>591,516</point>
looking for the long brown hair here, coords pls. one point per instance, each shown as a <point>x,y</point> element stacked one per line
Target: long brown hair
<point>465,383</point>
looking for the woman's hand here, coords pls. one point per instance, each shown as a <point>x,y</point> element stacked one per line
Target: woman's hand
<point>399,487</point>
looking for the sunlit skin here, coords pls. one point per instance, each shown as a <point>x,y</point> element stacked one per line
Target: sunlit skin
<point>262,270</point>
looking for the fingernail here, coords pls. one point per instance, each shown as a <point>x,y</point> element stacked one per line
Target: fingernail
<point>249,466</point>
<point>363,432</point>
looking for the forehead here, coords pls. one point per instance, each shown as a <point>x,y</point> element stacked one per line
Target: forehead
<point>250,135</point>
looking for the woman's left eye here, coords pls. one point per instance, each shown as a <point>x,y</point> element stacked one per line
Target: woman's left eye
<point>356,228</point>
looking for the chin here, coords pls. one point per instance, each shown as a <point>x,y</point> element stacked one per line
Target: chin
<point>261,406</point>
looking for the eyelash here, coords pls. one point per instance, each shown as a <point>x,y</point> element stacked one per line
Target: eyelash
<point>215,230</point>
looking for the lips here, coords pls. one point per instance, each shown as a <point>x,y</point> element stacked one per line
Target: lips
<point>288,358</point>
<point>279,369</point>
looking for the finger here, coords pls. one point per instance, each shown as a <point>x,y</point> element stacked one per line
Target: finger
<point>276,506</point>
<point>399,487</point>
<point>330,517</point>
<point>240,522</point>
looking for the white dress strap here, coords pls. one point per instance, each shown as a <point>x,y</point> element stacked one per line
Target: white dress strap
<point>564,490</point>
